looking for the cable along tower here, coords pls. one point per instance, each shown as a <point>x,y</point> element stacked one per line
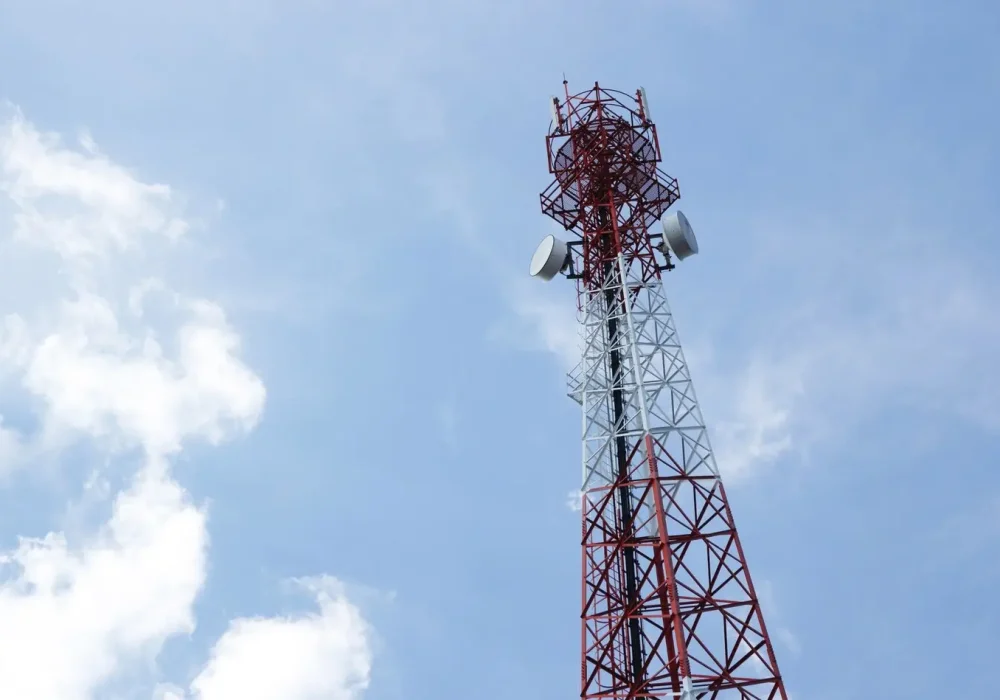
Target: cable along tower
<point>668,610</point>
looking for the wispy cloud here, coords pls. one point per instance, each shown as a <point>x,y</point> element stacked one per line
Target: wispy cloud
<point>756,425</point>
<point>776,624</point>
<point>817,363</point>
<point>103,208</point>
<point>540,320</point>
<point>574,500</point>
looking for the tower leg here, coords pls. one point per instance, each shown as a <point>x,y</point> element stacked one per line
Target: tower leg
<point>669,609</point>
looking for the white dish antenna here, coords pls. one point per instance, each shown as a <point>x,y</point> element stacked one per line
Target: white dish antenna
<point>677,232</point>
<point>645,104</point>
<point>550,257</point>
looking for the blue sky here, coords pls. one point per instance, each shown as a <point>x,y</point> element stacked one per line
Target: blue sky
<point>342,471</point>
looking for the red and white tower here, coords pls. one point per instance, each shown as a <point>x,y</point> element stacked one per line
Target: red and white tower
<point>669,609</point>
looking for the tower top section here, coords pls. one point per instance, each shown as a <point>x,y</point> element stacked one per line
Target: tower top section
<point>604,151</point>
<point>602,148</point>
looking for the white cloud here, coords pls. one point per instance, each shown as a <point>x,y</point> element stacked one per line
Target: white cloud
<point>819,374</point>
<point>168,691</point>
<point>149,384</point>
<point>72,616</point>
<point>78,609</point>
<point>574,500</point>
<point>780,633</point>
<point>101,381</point>
<point>757,428</point>
<point>78,204</point>
<point>11,448</point>
<point>324,655</point>
<point>542,320</point>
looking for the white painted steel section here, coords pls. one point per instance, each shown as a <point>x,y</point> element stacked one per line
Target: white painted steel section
<point>658,394</point>
<point>658,399</point>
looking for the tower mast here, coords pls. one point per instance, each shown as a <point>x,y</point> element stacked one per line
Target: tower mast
<point>669,609</point>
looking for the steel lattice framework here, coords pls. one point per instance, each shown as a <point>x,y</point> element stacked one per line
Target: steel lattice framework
<point>669,609</point>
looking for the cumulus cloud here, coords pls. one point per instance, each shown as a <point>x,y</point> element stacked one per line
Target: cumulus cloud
<point>101,381</point>
<point>134,367</point>
<point>324,655</point>
<point>96,373</point>
<point>72,616</point>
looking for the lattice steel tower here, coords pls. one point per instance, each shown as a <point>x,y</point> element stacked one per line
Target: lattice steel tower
<point>669,609</point>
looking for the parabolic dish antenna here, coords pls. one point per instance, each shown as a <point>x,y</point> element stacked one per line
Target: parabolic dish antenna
<point>549,258</point>
<point>677,232</point>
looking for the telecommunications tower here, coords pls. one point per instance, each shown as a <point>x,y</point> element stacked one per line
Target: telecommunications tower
<point>668,610</point>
